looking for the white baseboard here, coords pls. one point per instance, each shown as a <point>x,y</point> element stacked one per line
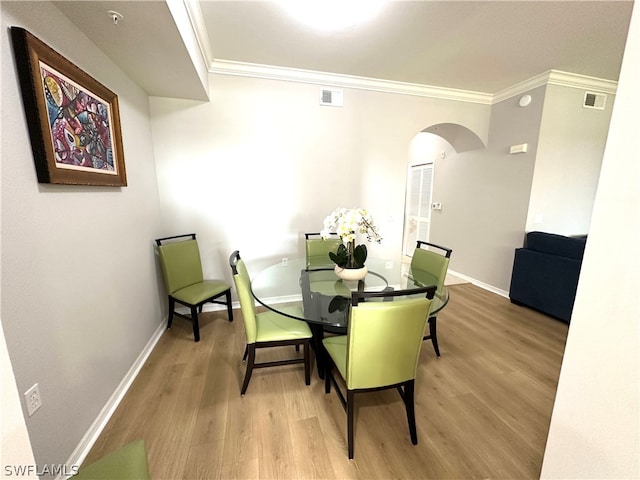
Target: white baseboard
<point>85,445</point>
<point>478,283</point>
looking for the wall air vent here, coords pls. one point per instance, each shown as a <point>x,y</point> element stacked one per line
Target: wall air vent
<point>594,100</point>
<point>331,97</point>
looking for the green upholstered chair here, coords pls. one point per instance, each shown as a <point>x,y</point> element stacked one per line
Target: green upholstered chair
<point>267,329</point>
<point>317,249</point>
<point>184,281</point>
<point>437,264</point>
<point>317,254</point>
<point>380,350</point>
<point>128,462</point>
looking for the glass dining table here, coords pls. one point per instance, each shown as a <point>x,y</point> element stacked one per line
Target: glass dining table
<point>319,297</point>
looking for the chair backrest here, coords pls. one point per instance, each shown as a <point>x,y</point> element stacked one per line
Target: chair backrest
<point>242,281</point>
<point>318,249</point>
<point>180,261</point>
<point>431,262</point>
<point>384,339</point>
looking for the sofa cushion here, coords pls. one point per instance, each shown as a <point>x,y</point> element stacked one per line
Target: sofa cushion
<point>553,244</point>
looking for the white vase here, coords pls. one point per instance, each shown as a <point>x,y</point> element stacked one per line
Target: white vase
<point>350,273</point>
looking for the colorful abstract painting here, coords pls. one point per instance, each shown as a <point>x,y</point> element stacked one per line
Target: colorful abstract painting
<point>79,122</point>
<point>73,119</point>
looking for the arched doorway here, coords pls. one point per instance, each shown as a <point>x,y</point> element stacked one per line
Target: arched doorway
<point>430,146</point>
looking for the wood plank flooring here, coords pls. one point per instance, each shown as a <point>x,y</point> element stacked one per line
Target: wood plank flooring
<point>482,409</point>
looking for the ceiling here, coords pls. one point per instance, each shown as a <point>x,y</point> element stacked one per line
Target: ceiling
<point>478,46</point>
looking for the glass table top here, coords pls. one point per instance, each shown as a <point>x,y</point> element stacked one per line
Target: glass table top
<point>317,295</point>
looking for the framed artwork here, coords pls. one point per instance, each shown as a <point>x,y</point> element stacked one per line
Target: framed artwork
<point>73,120</point>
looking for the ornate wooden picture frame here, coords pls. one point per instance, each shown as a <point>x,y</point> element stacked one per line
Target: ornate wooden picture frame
<point>73,120</point>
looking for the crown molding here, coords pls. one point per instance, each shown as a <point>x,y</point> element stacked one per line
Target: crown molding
<point>557,77</point>
<point>228,67</point>
<point>194,12</point>
<point>574,80</point>
<point>551,77</point>
<point>519,88</point>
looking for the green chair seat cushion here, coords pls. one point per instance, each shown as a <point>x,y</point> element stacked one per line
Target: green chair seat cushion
<point>336,347</point>
<point>273,327</point>
<point>128,462</point>
<point>196,293</point>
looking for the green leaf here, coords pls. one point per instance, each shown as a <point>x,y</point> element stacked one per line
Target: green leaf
<point>341,257</point>
<point>359,256</point>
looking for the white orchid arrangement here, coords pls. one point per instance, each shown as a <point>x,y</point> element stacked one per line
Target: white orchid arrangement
<point>347,223</point>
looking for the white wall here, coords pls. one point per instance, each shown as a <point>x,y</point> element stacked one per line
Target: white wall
<point>15,449</point>
<point>263,162</point>
<point>595,426</point>
<point>568,160</point>
<point>80,296</point>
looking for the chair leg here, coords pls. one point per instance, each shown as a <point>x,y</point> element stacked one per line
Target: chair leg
<point>350,422</point>
<point>196,325</point>
<point>408,398</point>
<point>247,376</point>
<point>229,305</point>
<point>316,343</point>
<point>307,363</point>
<point>433,334</point>
<point>172,306</point>
<point>327,375</point>
<point>246,352</point>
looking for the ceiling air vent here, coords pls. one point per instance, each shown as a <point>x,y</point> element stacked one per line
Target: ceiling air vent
<point>594,100</point>
<point>331,97</point>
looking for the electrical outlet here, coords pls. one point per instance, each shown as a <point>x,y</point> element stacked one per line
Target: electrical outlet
<point>32,397</point>
<point>285,261</point>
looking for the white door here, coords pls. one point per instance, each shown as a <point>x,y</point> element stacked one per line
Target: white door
<point>417,206</point>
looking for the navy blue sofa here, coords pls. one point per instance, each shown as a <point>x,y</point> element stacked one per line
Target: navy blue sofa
<point>545,273</point>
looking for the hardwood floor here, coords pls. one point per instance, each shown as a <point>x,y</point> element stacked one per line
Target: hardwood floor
<point>482,409</point>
